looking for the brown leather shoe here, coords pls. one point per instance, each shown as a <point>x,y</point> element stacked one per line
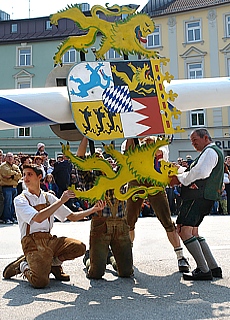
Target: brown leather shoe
<point>13,268</point>
<point>59,274</point>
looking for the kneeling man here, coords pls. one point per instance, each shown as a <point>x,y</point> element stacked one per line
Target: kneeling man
<point>43,252</point>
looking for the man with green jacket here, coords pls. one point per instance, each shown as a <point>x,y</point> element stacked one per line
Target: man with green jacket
<point>201,187</point>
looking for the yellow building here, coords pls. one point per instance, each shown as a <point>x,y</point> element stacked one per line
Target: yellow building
<point>195,35</point>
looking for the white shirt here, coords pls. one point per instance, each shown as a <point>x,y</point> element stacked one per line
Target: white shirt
<point>206,163</point>
<point>25,212</point>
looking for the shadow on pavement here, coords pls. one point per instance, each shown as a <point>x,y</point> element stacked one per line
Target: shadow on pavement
<point>148,296</point>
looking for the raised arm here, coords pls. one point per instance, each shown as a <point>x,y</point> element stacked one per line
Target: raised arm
<point>82,147</point>
<point>48,211</point>
<point>129,143</point>
<point>76,216</point>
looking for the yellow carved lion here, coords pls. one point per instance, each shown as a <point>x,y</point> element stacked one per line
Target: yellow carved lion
<point>135,164</point>
<point>124,36</point>
<point>140,76</point>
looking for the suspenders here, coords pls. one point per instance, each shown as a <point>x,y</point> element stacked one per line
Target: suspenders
<point>38,207</point>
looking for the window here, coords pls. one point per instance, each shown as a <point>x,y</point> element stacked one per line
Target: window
<point>228,26</point>
<point>153,40</point>
<point>24,132</point>
<point>4,16</point>
<point>24,56</point>
<point>193,31</point>
<point>61,82</point>
<point>69,56</point>
<point>14,28</point>
<point>23,79</point>
<point>112,54</point>
<point>195,71</point>
<point>197,118</point>
<point>23,84</point>
<point>48,25</point>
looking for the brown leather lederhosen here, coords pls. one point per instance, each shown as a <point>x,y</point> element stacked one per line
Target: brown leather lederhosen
<point>41,247</point>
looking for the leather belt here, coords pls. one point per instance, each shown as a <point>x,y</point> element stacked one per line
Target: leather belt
<point>9,187</point>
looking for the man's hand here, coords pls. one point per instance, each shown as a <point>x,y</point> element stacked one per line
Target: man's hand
<point>99,205</point>
<point>68,194</point>
<point>174,181</point>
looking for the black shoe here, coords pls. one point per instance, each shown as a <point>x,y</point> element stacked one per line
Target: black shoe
<point>183,265</point>
<point>86,257</point>
<point>217,272</point>
<point>8,221</point>
<point>197,274</point>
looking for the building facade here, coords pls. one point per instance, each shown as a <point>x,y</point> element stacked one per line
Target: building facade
<point>195,36</point>
<point>27,48</point>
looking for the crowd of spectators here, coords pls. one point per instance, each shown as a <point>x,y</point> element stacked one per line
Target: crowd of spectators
<point>174,194</point>
<point>59,174</point>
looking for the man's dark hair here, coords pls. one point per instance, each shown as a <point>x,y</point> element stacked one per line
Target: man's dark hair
<point>33,167</point>
<point>24,158</point>
<point>201,132</point>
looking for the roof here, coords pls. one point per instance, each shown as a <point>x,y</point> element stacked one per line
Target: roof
<point>162,7</point>
<point>35,29</point>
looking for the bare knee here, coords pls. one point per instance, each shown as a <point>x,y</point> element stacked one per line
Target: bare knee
<point>185,232</point>
<point>132,235</point>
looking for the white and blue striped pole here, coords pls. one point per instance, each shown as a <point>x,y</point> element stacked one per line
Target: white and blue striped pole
<point>37,106</point>
<point>47,106</point>
<point>200,93</point>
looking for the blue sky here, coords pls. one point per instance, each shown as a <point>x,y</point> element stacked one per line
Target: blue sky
<point>19,9</point>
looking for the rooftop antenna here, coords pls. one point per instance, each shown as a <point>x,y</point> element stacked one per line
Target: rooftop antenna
<point>29,8</point>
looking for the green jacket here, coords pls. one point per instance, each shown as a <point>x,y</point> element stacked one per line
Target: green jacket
<point>209,188</point>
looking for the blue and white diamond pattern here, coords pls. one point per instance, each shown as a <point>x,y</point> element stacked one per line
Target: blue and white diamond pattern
<point>117,99</point>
